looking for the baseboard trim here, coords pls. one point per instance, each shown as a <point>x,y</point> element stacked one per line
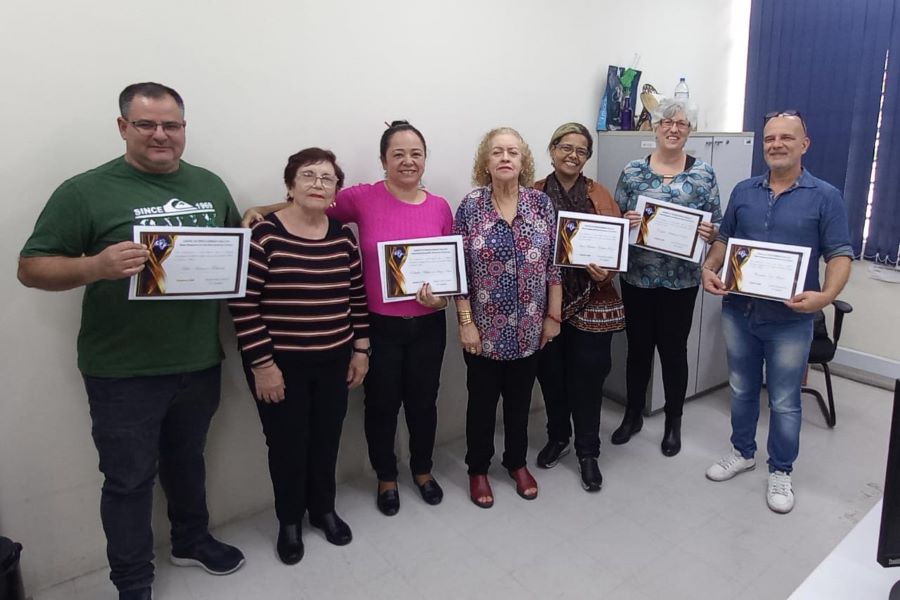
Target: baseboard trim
<point>869,363</point>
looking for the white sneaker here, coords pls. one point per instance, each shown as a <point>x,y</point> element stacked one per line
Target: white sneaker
<point>730,466</point>
<point>780,496</point>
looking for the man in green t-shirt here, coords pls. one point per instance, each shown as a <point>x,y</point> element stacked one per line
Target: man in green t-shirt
<point>151,368</point>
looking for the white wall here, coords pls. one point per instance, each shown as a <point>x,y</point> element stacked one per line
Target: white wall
<point>262,80</point>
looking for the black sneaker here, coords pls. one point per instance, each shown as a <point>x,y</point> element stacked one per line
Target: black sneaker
<point>591,479</point>
<point>211,555</point>
<point>551,453</point>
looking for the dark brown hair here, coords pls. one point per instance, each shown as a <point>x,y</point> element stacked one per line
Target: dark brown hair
<point>397,127</point>
<point>311,156</point>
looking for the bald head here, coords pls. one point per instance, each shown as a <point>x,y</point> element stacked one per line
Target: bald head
<point>784,144</point>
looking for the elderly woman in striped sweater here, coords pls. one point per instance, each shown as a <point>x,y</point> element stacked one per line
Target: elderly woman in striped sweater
<point>303,334</point>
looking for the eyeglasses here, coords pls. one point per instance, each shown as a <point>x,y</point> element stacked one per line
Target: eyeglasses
<point>791,112</point>
<point>680,125</point>
<point>309,178</point>
<point>149,127</point>
<point>569,149</point>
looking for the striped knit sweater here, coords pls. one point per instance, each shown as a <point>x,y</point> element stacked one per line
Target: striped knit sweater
<point>302,295</point>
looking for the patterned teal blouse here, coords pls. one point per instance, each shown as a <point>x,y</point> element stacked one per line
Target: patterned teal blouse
<point>696,188</point>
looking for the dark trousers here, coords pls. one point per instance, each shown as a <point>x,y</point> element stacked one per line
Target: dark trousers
<point>487,380</point>
<point>303,432</point>
<point>405,369</point>
<point>139,425</point>
<point>571,372</point>
<point>657,318</point>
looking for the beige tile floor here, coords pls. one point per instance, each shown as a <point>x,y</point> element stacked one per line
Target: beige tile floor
<point>658,529</point>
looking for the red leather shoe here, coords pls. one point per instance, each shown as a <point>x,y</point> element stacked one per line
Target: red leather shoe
<point>479,487</point>
<point>524,481</point>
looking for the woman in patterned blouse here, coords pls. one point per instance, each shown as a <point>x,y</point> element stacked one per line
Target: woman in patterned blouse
<point>513,308</point>
<point>572,370</point>
<point>659,290</point>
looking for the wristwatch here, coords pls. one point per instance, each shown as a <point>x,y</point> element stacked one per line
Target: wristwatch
<point>366,351</point>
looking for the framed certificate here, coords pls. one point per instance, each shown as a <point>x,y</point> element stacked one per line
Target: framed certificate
<point>191,263</point>
<point>583,239</point>
<point>406,265</point>
<point>764,270</point>
<point>670,229</point>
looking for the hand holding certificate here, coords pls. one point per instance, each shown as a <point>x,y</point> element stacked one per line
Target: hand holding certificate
<point>669,228</point>
<point>764,270</point>
<point>191,263</point>
<point>406,265</point>
<point>583,239</point>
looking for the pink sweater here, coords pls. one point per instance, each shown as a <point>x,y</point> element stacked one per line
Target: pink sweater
<point>381,217</point>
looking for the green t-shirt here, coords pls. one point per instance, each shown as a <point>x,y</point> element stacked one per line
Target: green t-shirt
<point>121,337</point>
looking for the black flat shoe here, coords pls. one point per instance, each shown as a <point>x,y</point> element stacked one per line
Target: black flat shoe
<point>388,502</point>
<point>591,479</point>
<point>671,442</point>
<point>431,492</point>
<point>631,424</point>
<point>289,544</point>
<point>336,530</point>
<point>550,454</point>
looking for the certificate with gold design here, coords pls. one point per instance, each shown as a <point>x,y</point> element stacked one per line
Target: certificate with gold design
<point>583,239</point>
<point>191,263</point>
<point>406,265</point>
<point>764,270</point>
<point>669,228</point>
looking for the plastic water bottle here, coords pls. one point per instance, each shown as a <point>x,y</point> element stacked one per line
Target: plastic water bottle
<point>682,92</point>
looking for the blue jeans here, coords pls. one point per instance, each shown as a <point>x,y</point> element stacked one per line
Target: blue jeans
<point>139,423</point>
<point>784,348</point>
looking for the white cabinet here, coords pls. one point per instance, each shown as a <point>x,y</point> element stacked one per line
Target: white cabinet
<point>731,155</point>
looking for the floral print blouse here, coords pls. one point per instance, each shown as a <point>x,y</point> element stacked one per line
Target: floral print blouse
<point>509,268</point>
<point>695,187</point>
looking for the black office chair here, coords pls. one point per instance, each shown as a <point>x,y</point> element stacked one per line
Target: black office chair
<point>821,351</point>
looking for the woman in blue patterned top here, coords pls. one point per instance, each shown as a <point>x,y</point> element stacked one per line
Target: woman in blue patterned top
<point>659,290</point>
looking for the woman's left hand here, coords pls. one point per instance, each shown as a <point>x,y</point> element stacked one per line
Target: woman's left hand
<point>426,298</point>
<point>598,274</point>
<point>549,330</point>
<point>708,231</point>
<point>356,372</point>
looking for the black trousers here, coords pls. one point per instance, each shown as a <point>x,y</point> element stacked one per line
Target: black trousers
<point>657,318</point>
<point>405,369</point>
<point>571,372</point>
<point>487,380</point>
<point>303,432</point>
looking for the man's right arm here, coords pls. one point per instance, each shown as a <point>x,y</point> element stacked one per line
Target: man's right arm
<point>715,258</point>
<point>58,273</point>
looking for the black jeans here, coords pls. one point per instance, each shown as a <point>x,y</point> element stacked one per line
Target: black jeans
<point>140,424</point>
<point>487,380</point>
<point>405,369</point>
<point>303,432</point>
<point>571,372</point>
<point>657,318</point>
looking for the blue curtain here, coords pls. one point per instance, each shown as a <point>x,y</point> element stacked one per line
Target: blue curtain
<point>824,58</point>
<point>883,243</point>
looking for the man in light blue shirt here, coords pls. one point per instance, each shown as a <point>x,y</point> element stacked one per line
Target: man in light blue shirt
<point>785,206</point>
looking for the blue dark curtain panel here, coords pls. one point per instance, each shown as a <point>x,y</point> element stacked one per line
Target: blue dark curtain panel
<point>825,58</point>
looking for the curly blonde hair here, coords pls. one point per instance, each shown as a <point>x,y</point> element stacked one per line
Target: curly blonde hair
<point>480,175</point>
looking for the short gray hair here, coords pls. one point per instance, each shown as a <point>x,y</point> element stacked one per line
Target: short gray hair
<point>668,108</point>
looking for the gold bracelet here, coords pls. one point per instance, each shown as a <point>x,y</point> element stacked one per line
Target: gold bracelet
<point>464,316</point>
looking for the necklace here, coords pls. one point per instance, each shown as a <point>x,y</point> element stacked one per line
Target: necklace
<point>500,210</point>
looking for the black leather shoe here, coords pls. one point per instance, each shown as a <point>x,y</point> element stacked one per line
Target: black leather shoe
<point>591,479</point>
<point>289,544</point>
<point>550,454</point>
<point>671,442</point>
<point>388,502</point>
<point>336,530</point>
<point>631,424</point>
<point>141,594</point>
<point>431,492</point>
